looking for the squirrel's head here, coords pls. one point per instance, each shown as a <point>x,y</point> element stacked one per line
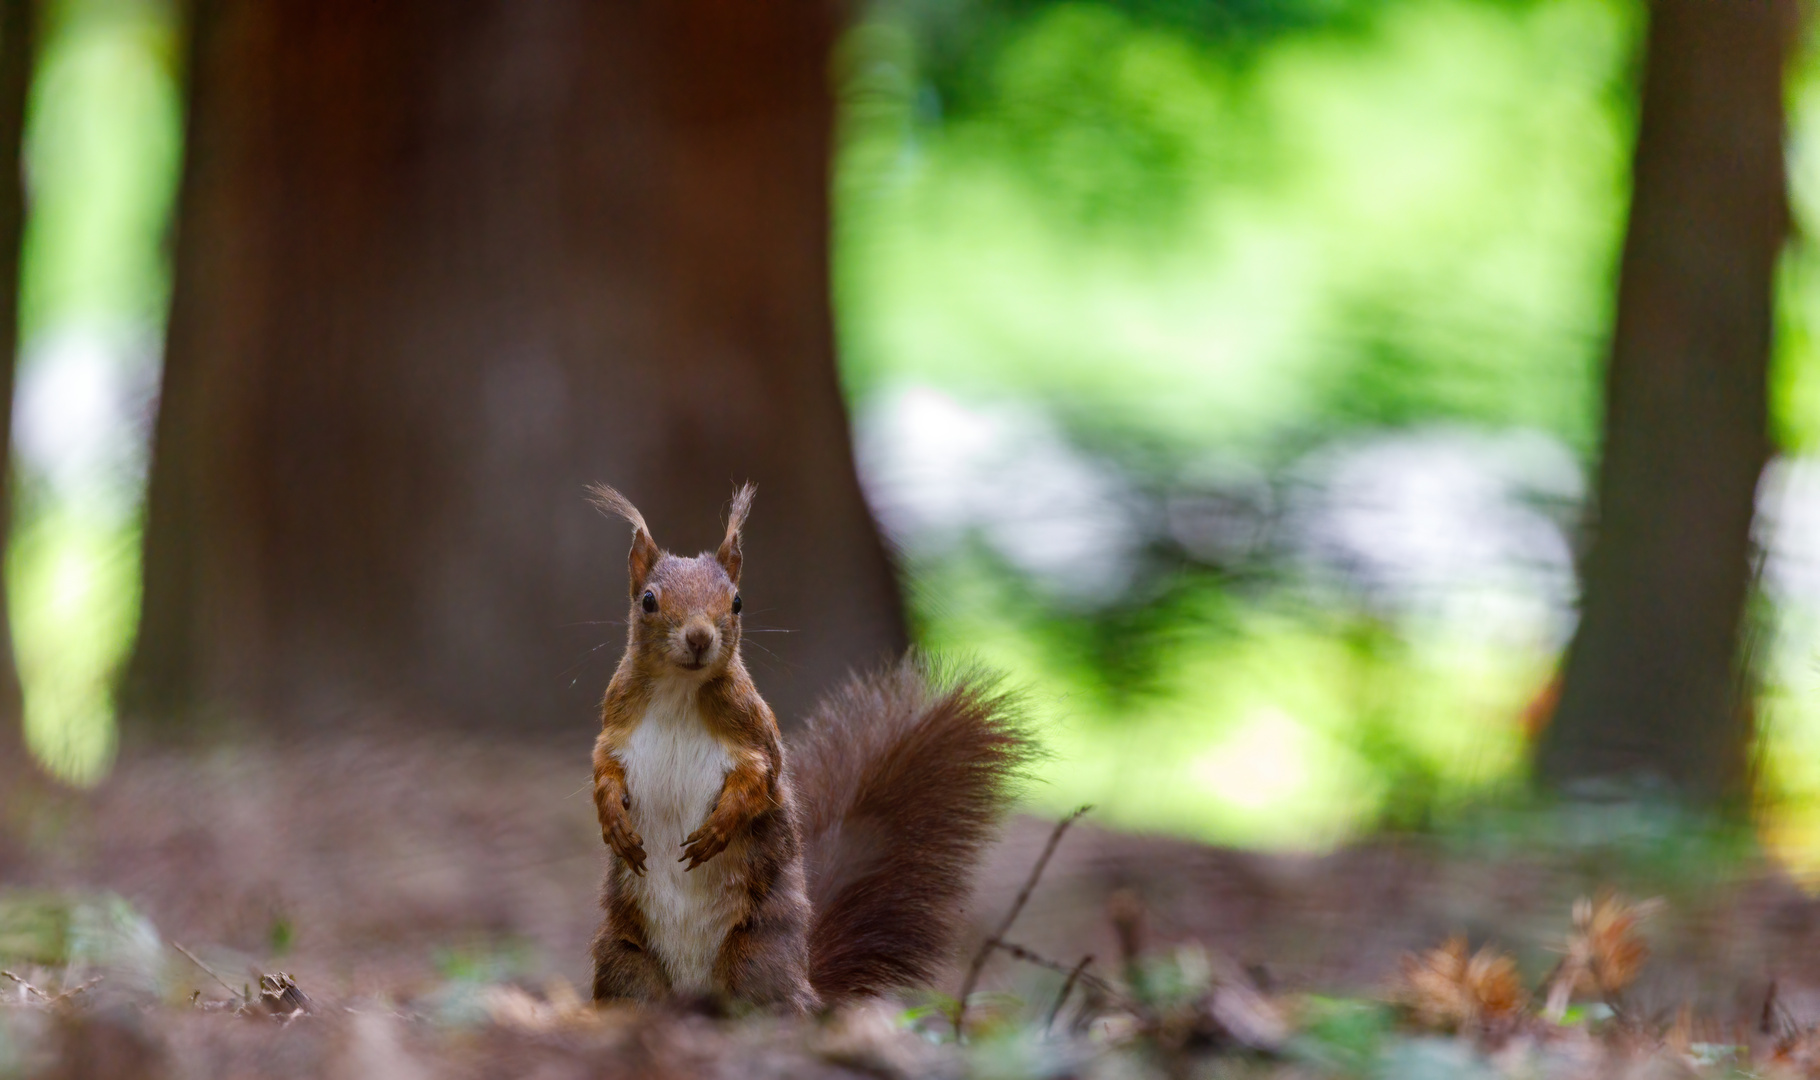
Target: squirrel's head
<point>684,618</point>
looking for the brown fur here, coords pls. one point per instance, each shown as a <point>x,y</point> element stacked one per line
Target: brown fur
<point>903,779</point>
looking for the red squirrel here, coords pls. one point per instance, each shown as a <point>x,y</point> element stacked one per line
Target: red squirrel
<point>746,876</point>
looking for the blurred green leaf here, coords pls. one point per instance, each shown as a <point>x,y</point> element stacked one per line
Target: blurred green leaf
<point>34,928</point>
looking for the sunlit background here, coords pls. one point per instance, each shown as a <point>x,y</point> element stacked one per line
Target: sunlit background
<point>1233,387</point>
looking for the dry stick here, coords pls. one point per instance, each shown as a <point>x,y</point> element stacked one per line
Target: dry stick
<point>28,986</point>
<point>65,995</point>
<point>1019,952</point>
<point>1127,914</point>
<point>1776,1019</point>
<point>1067,988</point>
<point>1554,997</point>
<point>205,967</point>
<point>1017,906</point>
<point>59,996</point>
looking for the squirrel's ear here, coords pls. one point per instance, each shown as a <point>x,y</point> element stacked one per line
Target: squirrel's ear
<point>644,549</point>
<point>729,556</point>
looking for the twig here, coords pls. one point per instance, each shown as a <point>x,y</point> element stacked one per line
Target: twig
<point>1017,906</point>
<point>1556,990</point>
<point>61,995</point>
<point>205,967</point>
<point>1127,914</point>
<point>1029,956</point>
<point>65,995</point>
<point>1067,988</point>
<point>29,988</point>
<point>1776,1019</point>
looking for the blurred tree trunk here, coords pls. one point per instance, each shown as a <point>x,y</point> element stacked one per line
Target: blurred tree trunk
<point>17,44</point>
<point>1652,683</point>
<point>437,267</point>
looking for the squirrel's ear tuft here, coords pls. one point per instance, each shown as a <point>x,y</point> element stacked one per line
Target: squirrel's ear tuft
<point>644,549</point>
<point>729,555</point>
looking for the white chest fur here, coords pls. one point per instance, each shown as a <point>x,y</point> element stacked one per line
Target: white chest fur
<point>674,770</point>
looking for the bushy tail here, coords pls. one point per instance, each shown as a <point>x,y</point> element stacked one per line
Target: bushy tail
<point>902,777</point>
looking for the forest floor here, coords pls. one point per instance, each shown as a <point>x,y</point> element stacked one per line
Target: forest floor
<point>397,908</point>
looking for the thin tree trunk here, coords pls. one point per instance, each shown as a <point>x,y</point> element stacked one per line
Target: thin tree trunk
<point>1651,692</point>
<point>17,47</point>
<point>438,267</point>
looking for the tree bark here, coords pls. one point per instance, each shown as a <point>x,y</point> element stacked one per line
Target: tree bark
<point>1652,690</point>
<point>438,266</point>
<point>18,42</point>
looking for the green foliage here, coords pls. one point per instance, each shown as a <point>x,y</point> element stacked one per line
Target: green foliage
<point>1240,720</point>
<point>1650,847</point>
<point>102,147</point>
<point>73,598</point>
<point>34,928</point>
<point>280,936</point>
<point>1239,232</point>
<point>1342,1036</point>
<point>1112,122</point>
<point>1795,377</point>
<point>960,40</point>
<point>484,960</point>
<point>1411,220</point>
<point>85,931</point>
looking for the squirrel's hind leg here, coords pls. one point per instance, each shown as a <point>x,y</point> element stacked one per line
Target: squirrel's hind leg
<point>625,972</point>
<point>624,968</point>
<point>765,964</point>
<point>764,960</point>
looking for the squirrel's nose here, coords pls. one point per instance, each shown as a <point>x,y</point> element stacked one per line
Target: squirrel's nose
<point>698,639</point>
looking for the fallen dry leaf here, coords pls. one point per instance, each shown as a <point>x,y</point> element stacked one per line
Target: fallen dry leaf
<point>1451,990</point>
<point>1604,953</point>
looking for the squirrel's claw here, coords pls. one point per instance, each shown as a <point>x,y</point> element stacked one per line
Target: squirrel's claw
<point>703,844</point>
<point>628,845</point>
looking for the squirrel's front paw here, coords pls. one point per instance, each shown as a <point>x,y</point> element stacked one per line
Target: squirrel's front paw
<point>705,843</point>
<point>625,843</point>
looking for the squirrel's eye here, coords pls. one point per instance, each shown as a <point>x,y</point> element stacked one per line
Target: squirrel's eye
<point>736,603</point>
<point>650,602</point>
